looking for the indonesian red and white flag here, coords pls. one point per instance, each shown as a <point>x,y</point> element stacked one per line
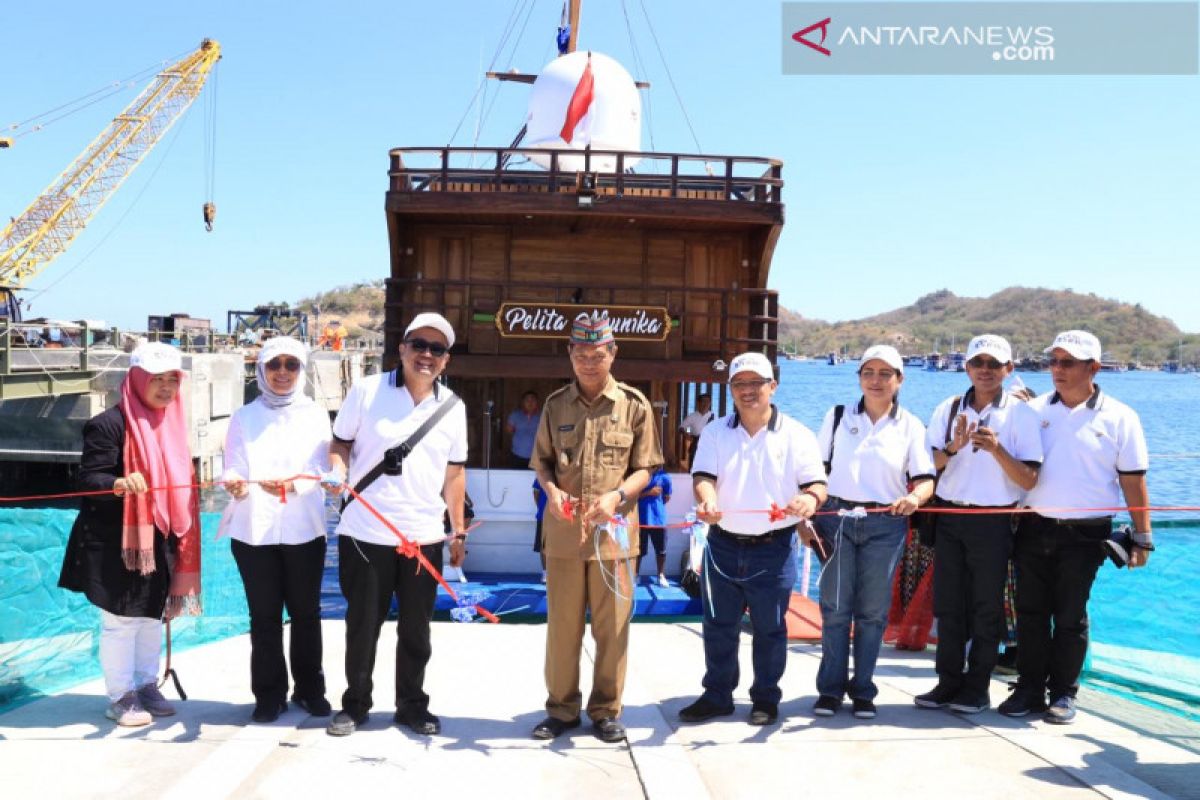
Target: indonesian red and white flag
<point>581,102</point>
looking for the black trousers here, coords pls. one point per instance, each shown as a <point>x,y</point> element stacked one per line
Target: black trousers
<point>370,575</point>
<point>1056,566</point>
<point>276,577</point>
<point>970,568</point>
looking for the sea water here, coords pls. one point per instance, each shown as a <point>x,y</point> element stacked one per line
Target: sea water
<point>1144,634</point>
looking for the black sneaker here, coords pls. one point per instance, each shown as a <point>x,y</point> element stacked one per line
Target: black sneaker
<point>704,709</point>
<point>826,706</point>
<point>419,721</point>
<point>863,709</point>
<point>552,728</point>
<point>343,724</point>
<point>1061,711</point>
<point>1024,700</point>
<point>938,697</point>
<point>608,729</point>
<point>763,713</point>
<point>970,702</point>
<point>267,711</point>
<point>315,706</point>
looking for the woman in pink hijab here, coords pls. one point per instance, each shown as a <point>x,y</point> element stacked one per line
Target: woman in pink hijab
<point>135,553</point>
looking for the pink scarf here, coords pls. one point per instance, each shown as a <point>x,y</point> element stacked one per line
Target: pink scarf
<point>156,445</point>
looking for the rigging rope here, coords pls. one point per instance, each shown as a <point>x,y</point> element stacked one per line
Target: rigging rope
<point>670,77</point>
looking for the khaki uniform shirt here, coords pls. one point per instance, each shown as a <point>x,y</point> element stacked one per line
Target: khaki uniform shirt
<point>590,449</point>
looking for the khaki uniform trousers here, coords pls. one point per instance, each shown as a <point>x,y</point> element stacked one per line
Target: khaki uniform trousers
<point>574,587</point>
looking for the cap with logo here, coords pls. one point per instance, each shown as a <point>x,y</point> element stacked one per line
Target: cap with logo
<point>988,345</point>
<point>752,362</point>
<point>1080,344</point>
<point>592,329</point>
<point>885,353</point>
<point>429,319</point>
<point>156,358</point>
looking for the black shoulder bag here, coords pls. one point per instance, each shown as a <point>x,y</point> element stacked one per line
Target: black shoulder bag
<point>392,462</point>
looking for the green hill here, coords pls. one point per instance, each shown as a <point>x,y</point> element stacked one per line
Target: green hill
<point>359,306</point>
<point>1028,318</point>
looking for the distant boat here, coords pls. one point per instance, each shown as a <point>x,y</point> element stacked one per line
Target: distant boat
<point>915,361</point>
<point>1112,365</point>
<point>935,362</point>
<point>834,359</point>
<point>956,363</point>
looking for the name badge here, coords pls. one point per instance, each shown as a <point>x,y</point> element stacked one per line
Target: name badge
<point>565,428</point>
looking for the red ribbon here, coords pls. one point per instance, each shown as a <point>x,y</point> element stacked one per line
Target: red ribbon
<point>568,509</point>
<point>775,513</point>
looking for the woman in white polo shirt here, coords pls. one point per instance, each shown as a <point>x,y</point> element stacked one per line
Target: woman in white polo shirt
<point>280,546</point>
<point>875,450</point>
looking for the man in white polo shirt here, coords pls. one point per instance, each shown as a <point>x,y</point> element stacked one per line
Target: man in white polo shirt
<point>412,488</point>
<point>750,460</point>
<point>1095,452</point>
<point>987,444</point>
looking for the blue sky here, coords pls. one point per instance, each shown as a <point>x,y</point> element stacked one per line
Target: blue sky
<point>896,186</point>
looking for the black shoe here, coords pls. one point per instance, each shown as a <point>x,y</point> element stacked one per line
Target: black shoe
<point>968,701</point>
<point>938,697</point>
<point>763,713</point>
<point>315,706</point>
<point>1023,700</point>
<point>552,728</point>
<point>608,729</point>
<point>826,706</point>
<point>343,724</point>
<point>704,709</point>
<point>863,709</point>
<point>267,711</point>
<point>419,720</point>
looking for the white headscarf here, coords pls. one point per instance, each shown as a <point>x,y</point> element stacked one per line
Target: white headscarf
<point>274,348</point>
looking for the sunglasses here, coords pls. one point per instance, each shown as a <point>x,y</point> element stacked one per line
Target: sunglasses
<point>276,364</point>
<point>1066,363</point>
<point>984,363</point>
<point>748,386</point>
<point>422,346</point>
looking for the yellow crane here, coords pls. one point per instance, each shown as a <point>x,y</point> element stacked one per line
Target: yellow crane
<point>63,210</point>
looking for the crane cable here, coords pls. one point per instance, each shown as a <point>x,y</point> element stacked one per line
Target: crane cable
<point>105,92</point>
<point>210,148</point>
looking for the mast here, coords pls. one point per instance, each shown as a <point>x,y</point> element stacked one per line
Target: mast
<point>573,21</point>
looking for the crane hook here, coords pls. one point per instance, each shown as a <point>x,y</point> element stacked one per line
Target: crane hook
<point>210,214</point>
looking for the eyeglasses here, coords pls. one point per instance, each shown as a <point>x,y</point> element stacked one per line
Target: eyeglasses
<point>276,364</point>
<point>883,374</point>
<point>749,386</point>
<point>1066,363</point>
<point>984,363</point>
<point>435,349</point>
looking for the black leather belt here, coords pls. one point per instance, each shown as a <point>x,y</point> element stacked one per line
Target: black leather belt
<point>745,538</point>
<point>1085,522</point>
<point>957,504</point>
<point>857,503</point>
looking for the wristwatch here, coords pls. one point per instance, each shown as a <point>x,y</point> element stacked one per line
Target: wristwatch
<point>621,494</point>
<point>1142,540</point>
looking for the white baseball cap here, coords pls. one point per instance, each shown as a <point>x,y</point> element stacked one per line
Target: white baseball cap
<point>1080,344</point>
<point>987,344</point>
<point>156,358</point>
<point>429,319</point>
<point>885,353</point>
<point>752,362</point>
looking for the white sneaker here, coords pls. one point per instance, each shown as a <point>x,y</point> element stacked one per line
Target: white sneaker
<point>153,701</point>
<point>663,582</point>
<point>128,711</point>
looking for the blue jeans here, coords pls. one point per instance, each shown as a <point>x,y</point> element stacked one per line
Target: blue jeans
<point>737,575</point>
<point>856,584</point>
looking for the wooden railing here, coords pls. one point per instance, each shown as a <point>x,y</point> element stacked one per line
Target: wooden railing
<point>663,175</point>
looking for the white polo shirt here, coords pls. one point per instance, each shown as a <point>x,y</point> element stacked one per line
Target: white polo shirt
<point>874,461</point>
<point>695,422</point>
<point>752,472</point>
<point>377,415</point>
<point>975,476</point>
<point>1086,449</point>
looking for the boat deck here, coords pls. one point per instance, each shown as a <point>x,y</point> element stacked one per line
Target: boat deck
<point>486,684</point>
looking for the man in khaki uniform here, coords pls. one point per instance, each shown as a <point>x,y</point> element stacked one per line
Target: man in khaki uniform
<point>595,450</point>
